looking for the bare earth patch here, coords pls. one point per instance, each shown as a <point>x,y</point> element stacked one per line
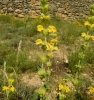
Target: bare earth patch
<point>31,79</point>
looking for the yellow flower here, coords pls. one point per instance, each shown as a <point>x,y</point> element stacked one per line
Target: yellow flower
<point>40,28</point>
<point>12,89</point>
<point>92,25</point>
<point>67,89</point>
<point>61,86</point>
<point>39,41</point>
<point>41,17</point>
<point>45,17</point>
<point>53,41</point>
<point>87,23</point>
<point>55,48</point>
<point>48,17</point>
<point>91,90</point>
<point>10,81</point>
<point>50,55</point>
<point>51,29</point>
<point>83,34</point>
<point>64,81</point>
<point>92,37</point>
<point>5,88</point>
<point>48,46</point>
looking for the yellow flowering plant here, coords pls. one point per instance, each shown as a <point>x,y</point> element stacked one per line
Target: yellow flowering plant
<point>63,90</point>
<point>45,18</point>
<point>48,45</point>
<point>81,59</point>
<point>9,88</point>
<point>81,54</point>
<point>91,90</point>
<point>8,83</point>
<point>40,28</point>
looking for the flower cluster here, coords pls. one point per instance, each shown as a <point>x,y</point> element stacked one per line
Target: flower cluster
<point>87,37</point>
<point>45,17</point>
<point>91,90</point>
<point>9,88</point>
<point>62,90</point>
<point>88,25</point>
<point>50,29</point>
<point>51,45</point>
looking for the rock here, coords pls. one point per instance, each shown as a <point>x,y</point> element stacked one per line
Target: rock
<point>38,12</point>
<point>15,14</point>
<point>28,0</point>
<point>52,7</point>
<point>63,16</point>
<point>58,14</point>
<point>10,4</point>
<point>4,8</point>
<point>60,9</point>
<point>25,10</point>
<point>33,1</point>
<point>10,9</point>
<point>2,11</point>
<point>5,1</point>
<point>33,12</point>
<point>21,16</point>
<point>37,3</point>
<point>18,11</point>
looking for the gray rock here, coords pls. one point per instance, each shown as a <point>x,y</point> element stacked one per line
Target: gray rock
<point>52,7</point>
<point>10,9</point>
<point>25,10</point>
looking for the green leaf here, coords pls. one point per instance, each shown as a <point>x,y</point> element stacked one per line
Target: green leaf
<point>35,96</point>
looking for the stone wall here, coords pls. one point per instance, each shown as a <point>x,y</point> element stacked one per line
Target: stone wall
<point>66,9</point>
